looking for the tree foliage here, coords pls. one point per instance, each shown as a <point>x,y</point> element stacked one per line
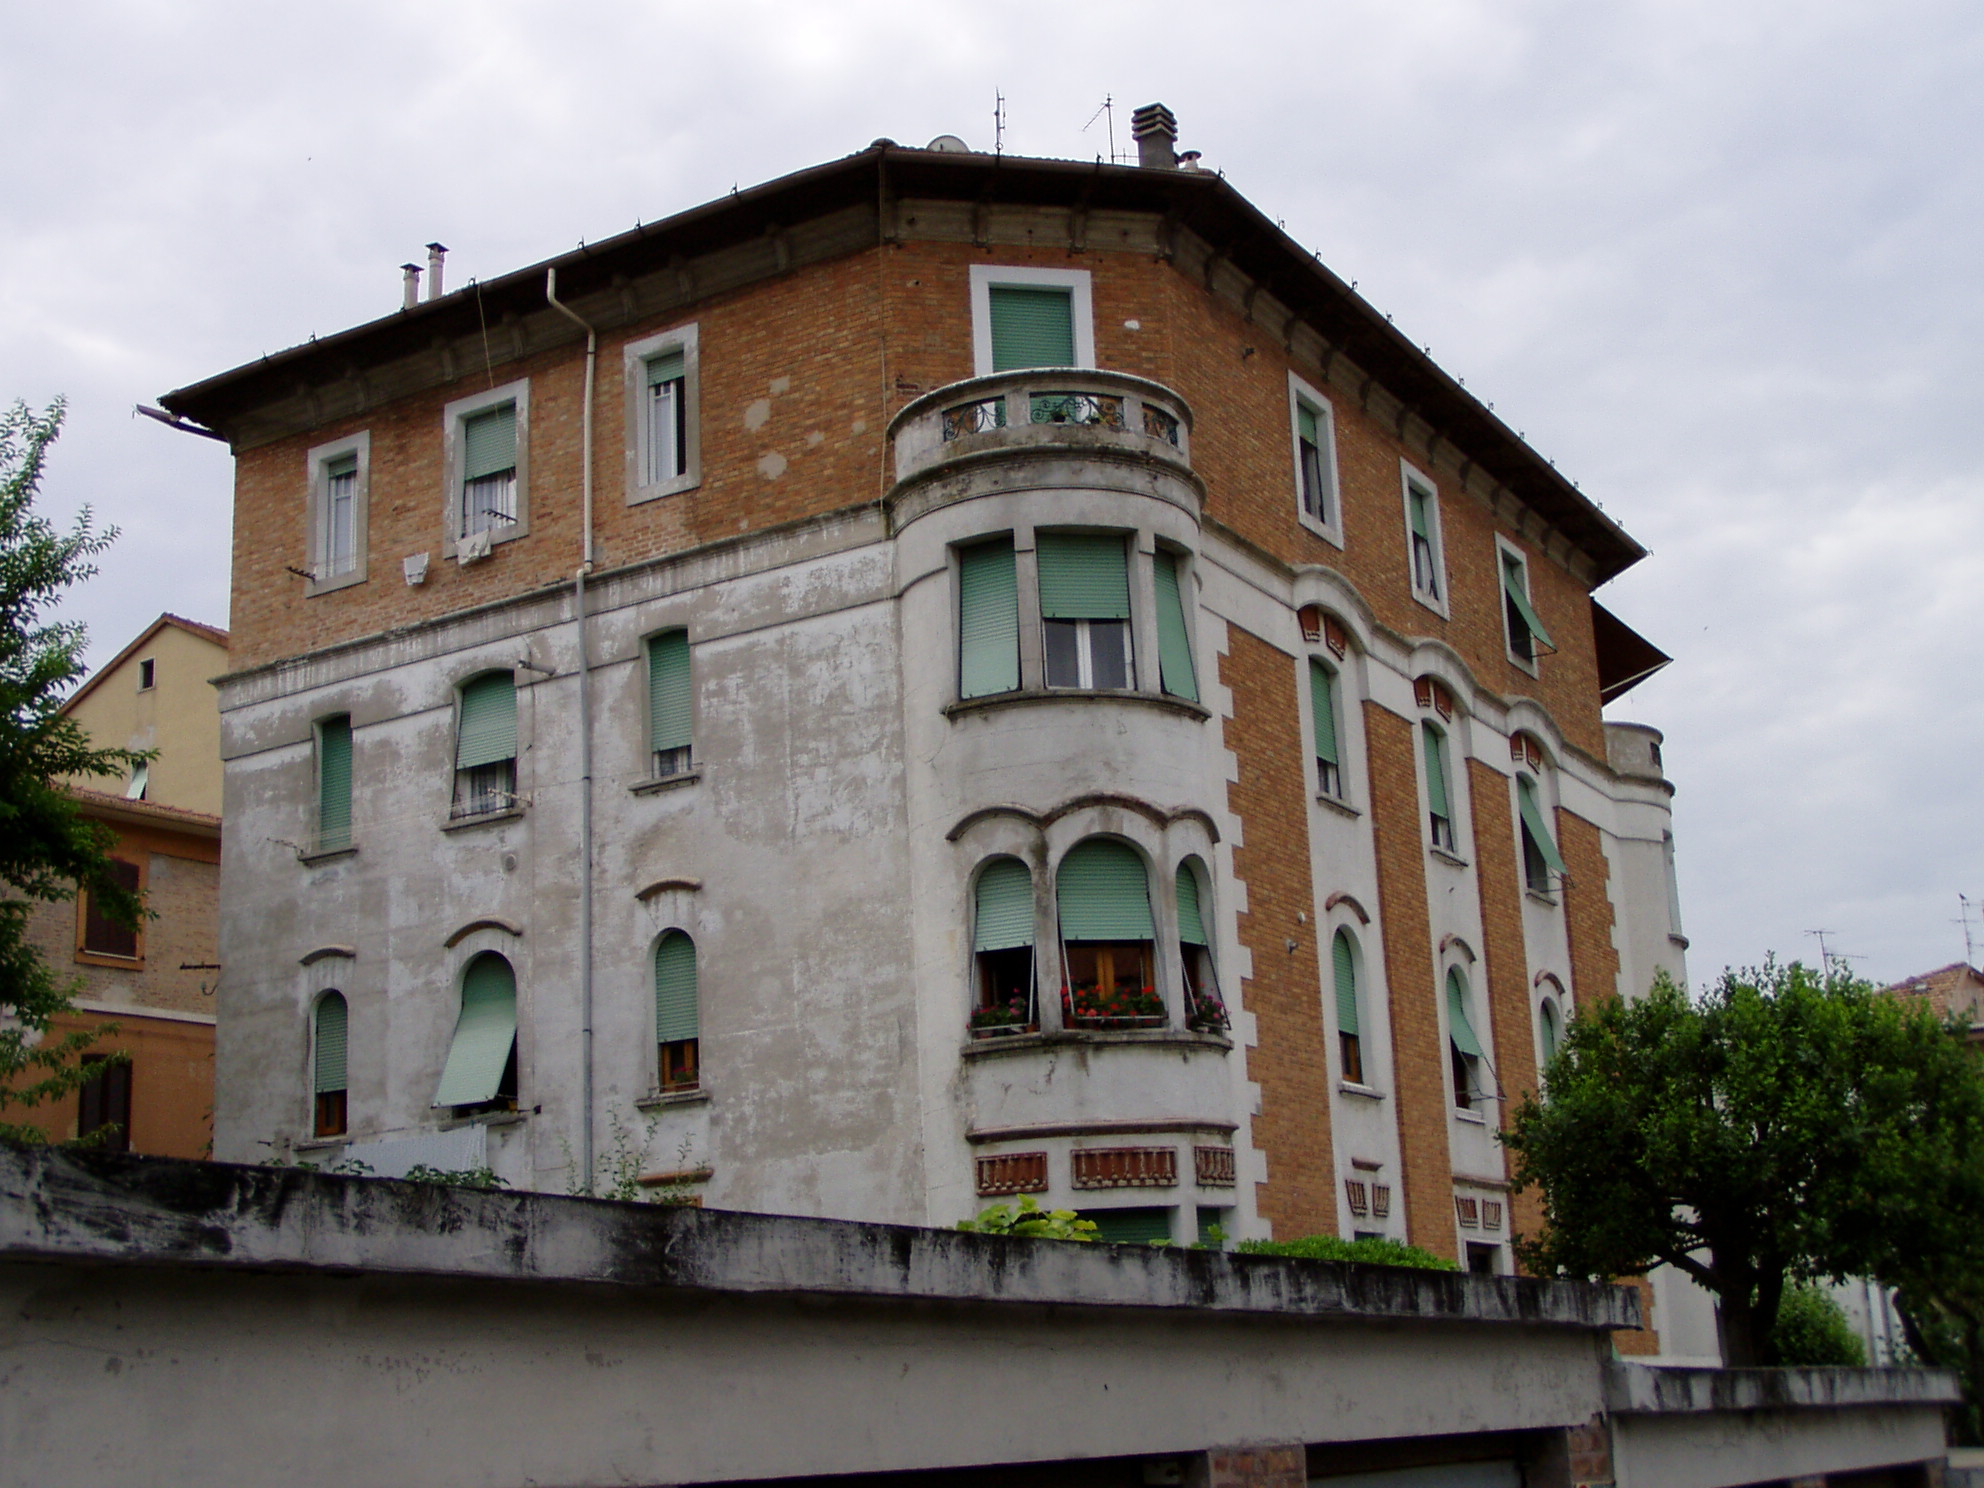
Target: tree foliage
<point>1812,1332</point>
<point>1791,1126</point>
<point>48,849</point>
<point>1373,1252</point>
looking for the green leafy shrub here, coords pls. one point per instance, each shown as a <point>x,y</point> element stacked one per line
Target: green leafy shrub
<point>1812,1332</point>
<point>1364,1252</point>
<point>1031,1221</point>
<point>481,1177</point>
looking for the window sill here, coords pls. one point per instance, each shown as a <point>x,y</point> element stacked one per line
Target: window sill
<point>661,489</point>
<point>482,819</point>
<point>662,1100</point>
<point>1471,1116</point>
<point>1446,855</point>
<point>1536,896</point>
<point>1164,702</point>
<point>1529,668</point>
<point>659,783</point>
<point>1364,1092</point>
<point>318,587</point>
<point>104,958</point>
<point>321,1144</point>
<point>680,1178</point>
<point>1435,605</point>
<point>1020,1043</point>
<point>326,855</point>
<point>1338,805</point>
<point>487,1113</point>
<point>1328,532</point>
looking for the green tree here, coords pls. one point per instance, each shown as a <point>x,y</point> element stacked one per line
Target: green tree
<point>48,849</point>
<point>1791,1126</point>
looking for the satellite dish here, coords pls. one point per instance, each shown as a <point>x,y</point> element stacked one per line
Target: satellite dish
<point>949,144</point>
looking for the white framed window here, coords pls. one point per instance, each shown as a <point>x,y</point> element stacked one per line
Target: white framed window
<point>488,464</point>
<point>1522,628</point>
<point>340,474</point>
<point>1084,582</point>
<point>486,745</point>
<point>1026,317</point>
<point>1312,427</point>
<point>1466,1056</point>
<point>1425,555</point>
<point>663,377</point>
<point>1439,788</point>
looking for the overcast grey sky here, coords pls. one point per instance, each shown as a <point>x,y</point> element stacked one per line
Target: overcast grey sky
<point>1720,260</point>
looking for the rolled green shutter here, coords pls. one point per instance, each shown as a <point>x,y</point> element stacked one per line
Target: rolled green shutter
<point>1322,702</point>
<point>988,620</point>
<point>1191,924</point>
<point>1436,771</point>
<point>1512,585</point>
<point>1459,1028</point>
<point>332,1019</point>
<point>1083,577</point>
<point>488,722</point>
<point>1416,502</point>
<point>1104,894</point>
<point>1032,328</point>
<point>1532,818</point>
<point>1305,424</point>
<point>1130,1226</point>
<point>333,783</point>
<point>1547,1016</point>
<point>676,1015</point>
<point>484,1034</point>
<point>670,366</point>
<point>1004,915</point>
<point>1345,962</point>
<point>1174,644</point>
<point>668,690</point>
<point>341,467</point>
<point>489,442</point>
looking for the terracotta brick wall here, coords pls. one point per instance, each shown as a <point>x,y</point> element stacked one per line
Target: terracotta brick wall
<point>1588,909</point>
<point>1291,1060</point>
<point>1418,1056</point>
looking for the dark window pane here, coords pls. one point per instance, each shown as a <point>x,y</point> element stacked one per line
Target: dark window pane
<point>105,1100</point>
<point>1109,650</point>
<point>102,935</point>
<point>1064,666</point>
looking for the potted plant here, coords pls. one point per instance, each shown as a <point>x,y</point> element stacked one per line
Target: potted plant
<point>997,1019</point>
<point>1206,1013</point>
<point>1112,1007</point>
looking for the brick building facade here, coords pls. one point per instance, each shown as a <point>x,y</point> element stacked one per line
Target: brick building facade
<point>1062,697</point>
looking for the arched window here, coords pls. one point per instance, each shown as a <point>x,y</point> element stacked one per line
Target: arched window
<point>486,745</point>
<point>1540,857</point>
<point>482,1059</point>
<point>1549,1029</point>
<point>1439,801</point>
<point>677,1013</point>
<point>1462,1043</point>
<point>331,1021</point>
<point>1349,1019</point>
<point>1204,1007</point>
<point>1107,940</point>
<point>1322,708</point>
<point>1002,946</point>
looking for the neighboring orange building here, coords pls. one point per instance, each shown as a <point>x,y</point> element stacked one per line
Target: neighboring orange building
<point>1954,989</point>
<point>155,983</point>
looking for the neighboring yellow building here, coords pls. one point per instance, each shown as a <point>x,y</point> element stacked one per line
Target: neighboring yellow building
<point>156,983</point>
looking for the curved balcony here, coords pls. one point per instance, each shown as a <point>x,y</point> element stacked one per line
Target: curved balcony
<point>1051,410</point>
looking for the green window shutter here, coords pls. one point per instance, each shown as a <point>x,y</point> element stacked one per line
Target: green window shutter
<point>988,620</point>
<point>1004,917</point>
<point>1032,328</point>
<point>1547,1016</point>
<point>1104,893</point>
<point>670,366</point>
<point>334,783</point>
<point>1083,577</point>
<point>1130,1226</point>
<point>1436,771</point>
<point>1174,644</point>
<point>489,442</point>
<point>1305,424</point>
<point>1532,818</point>
<point>342,466</point>
<point>668,690</point>
<point>1459,1028</point>
<point>488,722</point>
<point>1322,702</point>
<point>1513,586</point>
<point>332,1018</point>
<point>484,1034</point>
<point>676,1015</point>
<point>1191,924</point>
<point>1344,961</point>
<point>1416,503</point>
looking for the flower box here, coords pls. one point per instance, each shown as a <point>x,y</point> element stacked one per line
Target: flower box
<point>1118,1007</point>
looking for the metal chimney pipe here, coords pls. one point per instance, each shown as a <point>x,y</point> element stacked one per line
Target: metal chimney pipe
<point>411,284</point>
<point>1155,129</point>
<point>435,253</point>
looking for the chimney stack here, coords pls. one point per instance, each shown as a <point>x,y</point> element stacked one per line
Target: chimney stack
<point>1155,129</point>
<point>412,285</point>
<point>435,253</point>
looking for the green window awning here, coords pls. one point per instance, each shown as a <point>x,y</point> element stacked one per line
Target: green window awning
<point>1546,1015</point>
<point>1083,577</point>
<point>489,442</point>
<point>488,721</point>
<point>669,714</point>
<point>484,1034</point>
<point>1416,503</point>
<point>1436,771</point>
<point>333,1017</point>
<point>1516,589</point>
<point>988,620</point>
<point>1104,893</point>
<point>676,1009</point>
<point>1032,327</point>
<point>1130,1226</point>
<point>334,783</point>
<point>1174,643</point>
<point>670,366</point>
<point>1322,704</point>
<point>1344,962</point>
<point>1004,913</point>
<point>1532,820</point>
<point>1191,923</point>
<point>1458,1026</point>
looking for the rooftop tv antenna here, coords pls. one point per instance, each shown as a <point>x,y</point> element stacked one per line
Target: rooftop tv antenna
<point>1825,956</point>
<point>1107,111</point>
<point>1963,910</point>
<point>998,122</point>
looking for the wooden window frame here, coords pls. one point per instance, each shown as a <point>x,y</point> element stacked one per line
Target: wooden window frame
<point>141,860</point>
